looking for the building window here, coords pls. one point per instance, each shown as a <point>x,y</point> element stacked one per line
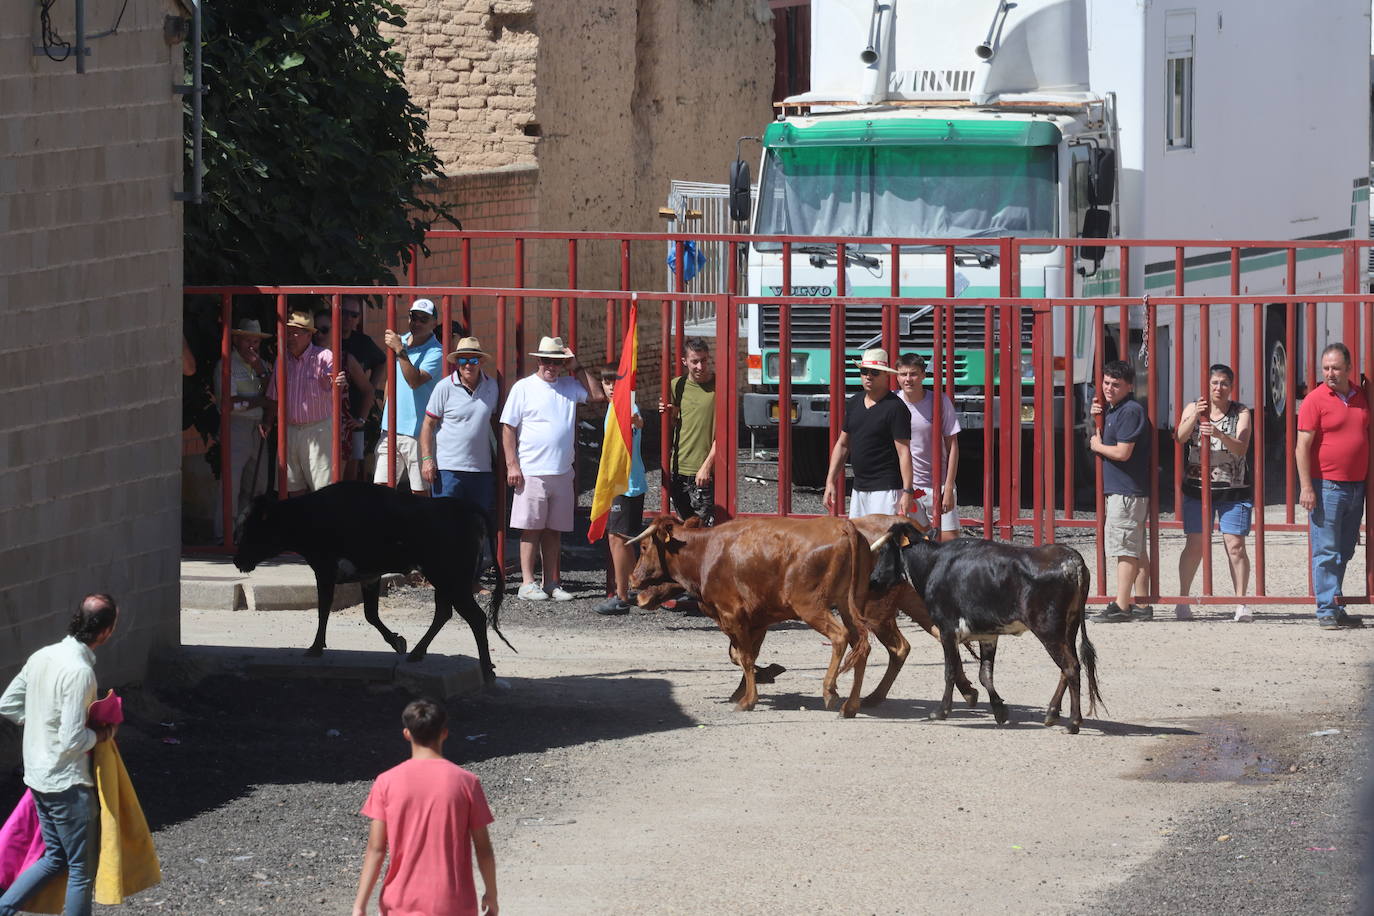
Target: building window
<point>1178,75</point>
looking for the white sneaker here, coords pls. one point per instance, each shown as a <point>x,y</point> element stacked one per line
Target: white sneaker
<point>531,591</point>
<point>1244,614</point>
<point>1183,611</point>
<point>557,594</point>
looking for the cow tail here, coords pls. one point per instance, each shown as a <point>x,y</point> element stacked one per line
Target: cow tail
<point>498,592</point>
<point>1087,654</point>
<point>858,596</point>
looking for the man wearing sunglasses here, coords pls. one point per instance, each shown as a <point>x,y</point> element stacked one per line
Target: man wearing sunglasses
<point>419,357</point>
<point>877,439</point>
<point>456,436</point>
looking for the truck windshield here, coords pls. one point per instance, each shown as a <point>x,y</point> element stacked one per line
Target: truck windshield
<point>970,192</point>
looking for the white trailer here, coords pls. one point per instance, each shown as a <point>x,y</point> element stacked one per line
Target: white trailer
<point>978,119</point>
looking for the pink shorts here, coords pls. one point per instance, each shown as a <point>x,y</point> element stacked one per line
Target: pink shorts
<point>544,503</point>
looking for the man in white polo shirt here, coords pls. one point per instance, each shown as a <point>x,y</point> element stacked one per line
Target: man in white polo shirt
<point>537,427</point>
<point>50,697</point>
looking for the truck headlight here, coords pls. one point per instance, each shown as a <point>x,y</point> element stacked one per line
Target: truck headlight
<point>801,363</point>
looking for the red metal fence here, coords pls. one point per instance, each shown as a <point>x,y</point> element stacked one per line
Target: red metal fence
<point>1242,327</point>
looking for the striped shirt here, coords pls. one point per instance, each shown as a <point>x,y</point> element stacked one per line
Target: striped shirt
<point>309,386</point>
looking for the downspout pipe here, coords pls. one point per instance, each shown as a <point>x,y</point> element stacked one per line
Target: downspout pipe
<point>877,56</point>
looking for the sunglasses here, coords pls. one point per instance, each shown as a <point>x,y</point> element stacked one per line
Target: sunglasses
<point>468,360</point>
<point>868,371</point>
<point>546,361</point>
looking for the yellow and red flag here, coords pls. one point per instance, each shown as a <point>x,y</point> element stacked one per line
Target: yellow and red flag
<point>613,477</point>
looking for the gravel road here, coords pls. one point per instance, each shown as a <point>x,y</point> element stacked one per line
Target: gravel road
<point>623,782</point>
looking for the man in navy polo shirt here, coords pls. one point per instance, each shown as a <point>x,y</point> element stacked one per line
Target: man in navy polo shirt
<point>1333,441</point>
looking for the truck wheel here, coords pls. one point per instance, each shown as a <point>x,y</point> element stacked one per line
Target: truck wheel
<point>1276,368</point>
<point>810,456</point>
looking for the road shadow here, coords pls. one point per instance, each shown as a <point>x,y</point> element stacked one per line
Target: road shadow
<point>193,748</point>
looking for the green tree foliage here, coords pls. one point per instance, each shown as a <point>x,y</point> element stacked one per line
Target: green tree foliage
<point>312,147</point>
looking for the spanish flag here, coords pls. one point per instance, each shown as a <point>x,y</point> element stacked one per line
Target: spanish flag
<point>613,477</point>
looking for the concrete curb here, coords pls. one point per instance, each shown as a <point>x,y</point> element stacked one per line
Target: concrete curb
<point>215,585</point>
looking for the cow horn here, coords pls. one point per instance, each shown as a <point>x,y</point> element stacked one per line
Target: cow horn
<point>877,545</point>
<point>639,537</point>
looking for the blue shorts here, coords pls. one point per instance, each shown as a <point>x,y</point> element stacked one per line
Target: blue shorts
<point>476,486</point>
<point>1234,514</point>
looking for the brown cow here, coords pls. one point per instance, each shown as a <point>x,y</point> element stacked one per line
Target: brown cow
<point>751,573</point>
<point>880,614</point>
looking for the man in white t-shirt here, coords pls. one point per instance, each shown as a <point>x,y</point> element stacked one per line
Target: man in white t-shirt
<point>537,427</point>
<point>911,376</point>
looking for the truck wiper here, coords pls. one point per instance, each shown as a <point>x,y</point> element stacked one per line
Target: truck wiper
<point>962,253</point>
<point>819,252</point>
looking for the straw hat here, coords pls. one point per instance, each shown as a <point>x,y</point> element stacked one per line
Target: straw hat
<point>874,359</point>
<point>249,327</point>
<point>302,320</point>
<point>552,348</point>
<point>468,346</point>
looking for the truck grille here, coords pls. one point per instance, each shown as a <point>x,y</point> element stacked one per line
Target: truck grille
<point>811,327</point>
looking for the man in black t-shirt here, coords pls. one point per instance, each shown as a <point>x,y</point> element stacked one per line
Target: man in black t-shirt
<point>877,440</point>
<point>365,350</point>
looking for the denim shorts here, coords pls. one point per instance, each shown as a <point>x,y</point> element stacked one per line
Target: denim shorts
<point>1234,515</point>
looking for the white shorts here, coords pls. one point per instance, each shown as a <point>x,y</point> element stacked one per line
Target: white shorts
<point>923,506</point>
<point>544,503</point>
<point>407,462</point>
<point>873,502</point>
<point>308,455</point>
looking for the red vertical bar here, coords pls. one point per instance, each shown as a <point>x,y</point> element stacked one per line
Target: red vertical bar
<point>282,490</point>
<point>1257,439</point>
<point>1009,393</point>
<point>666,368</point>
<point>466,255</point>
<point>1312,346</point>
<point>1290,381</point>
<point>446,333</point>
<point>612,353</point>
<point>1070,416</point>
<point>727,430</point>
<point>1124,283</point>
<point>1350,284</point>
<point>1235,329</point>
<point>950,314</point>
<point>1099,351</point>
<point>519,278</point>
<point>504,388</point>
<point>785,387</point>
<point>1044,417</point>
<point>625,281</point>
<point>572,301</point>
<point>336,393</point>
<point>413,273</point>
<point>1178,373</point>
<point>226,435</point>
<point>939,373</point>
<point>989,421</point>
<point>1037,432</point>
<point>838,356</point>
<point>1367,315</point>
<point>1152,411</point>
<point>391,396</point>
<point>1204,335</point>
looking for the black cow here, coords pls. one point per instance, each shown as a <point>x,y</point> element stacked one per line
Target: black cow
<point>355,532</point>
<point>979,590</point>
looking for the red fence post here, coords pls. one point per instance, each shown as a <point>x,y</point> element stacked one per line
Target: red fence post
<point>282,490</point>
<point>1257,440</point>
<point>336,394</point>
<point>785,387</point>
<point>500,467</point>
<point>226,400</point>
<point>391,395</point>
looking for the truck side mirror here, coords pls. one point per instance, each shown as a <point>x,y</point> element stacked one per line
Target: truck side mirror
<point>1097,224</point>
<point>739,191</point>
<point>1102,178</point>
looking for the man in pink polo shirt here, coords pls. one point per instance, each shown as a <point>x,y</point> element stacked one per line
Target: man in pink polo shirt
<point>1333,442</point>
<point>309,406</point>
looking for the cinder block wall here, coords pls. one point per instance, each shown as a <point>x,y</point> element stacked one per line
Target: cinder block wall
<point>90,327</point>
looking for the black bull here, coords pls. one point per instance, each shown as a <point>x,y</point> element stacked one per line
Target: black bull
<point>355,532</point>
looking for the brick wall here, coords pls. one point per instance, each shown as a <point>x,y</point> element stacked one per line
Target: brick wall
<point>90,319</point>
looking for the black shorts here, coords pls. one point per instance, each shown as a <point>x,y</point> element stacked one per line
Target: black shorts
<point>627,516</point>
<point>691,500</point>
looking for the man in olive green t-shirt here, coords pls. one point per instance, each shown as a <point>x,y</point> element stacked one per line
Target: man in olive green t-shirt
<point>694,437</point>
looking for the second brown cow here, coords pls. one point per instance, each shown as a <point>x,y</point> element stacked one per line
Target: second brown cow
<point>751,573</point>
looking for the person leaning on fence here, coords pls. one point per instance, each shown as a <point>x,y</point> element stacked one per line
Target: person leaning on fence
<point>309,406</point>
<point>877,439</point>
<point>692,407</point>
<point>1123,446</point>
<point>351,424</point>
<point>360,400</point>
<point>431,816</point>
<point>248,472</point>
<point>626,517</point>
<point>456,438</point>
<point>537,426</point>
<point>911,374</point>
<point>1225,424</point>
<point>1333,463</point>
<point>419,359</point>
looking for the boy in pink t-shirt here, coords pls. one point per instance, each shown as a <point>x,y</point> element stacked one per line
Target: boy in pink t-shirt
<point>433,815</point>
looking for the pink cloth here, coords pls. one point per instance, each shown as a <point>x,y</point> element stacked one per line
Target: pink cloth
<point>430,808</point>
<point>309,386</point>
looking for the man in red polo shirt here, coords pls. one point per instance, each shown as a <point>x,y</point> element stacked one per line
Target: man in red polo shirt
<point>1333,443</point>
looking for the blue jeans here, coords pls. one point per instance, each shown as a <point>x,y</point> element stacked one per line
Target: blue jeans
<point>475,486</point>
<point>1334,527</point>
<point>70,822</point>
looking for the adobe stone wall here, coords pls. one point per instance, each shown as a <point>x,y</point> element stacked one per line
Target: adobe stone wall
<point>90,327</point>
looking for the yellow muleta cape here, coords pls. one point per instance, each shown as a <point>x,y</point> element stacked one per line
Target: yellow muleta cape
<point>128,862</point>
